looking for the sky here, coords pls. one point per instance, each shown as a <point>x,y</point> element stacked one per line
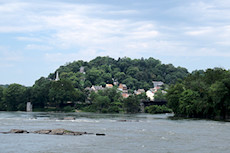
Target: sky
<point>38,36</point>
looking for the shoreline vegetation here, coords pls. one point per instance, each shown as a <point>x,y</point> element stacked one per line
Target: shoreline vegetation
<point>202,94</point>
<point>95,86</point>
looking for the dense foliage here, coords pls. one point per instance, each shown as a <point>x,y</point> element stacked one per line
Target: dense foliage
<point>13,97</point>
<point>155,109</point>
<point>136,73</point>
<point>203,94</point>
<point>105,101</point>
<point>111,101</point>
<point>69,92</point>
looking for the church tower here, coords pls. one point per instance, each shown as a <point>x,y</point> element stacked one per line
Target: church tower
<point>57,77</point>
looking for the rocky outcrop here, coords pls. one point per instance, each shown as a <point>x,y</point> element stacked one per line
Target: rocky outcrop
<point>15,131</point>
<point>18,131</point>
<point>60,132</point>
<point>52,132</point>
<point>69,118</point>
<point>42,131</point>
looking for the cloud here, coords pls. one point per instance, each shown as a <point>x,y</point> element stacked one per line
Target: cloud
<point>202,12</point>
<point>7,7</point>
<point>8,56</point>
<point>83,31</point>
<point>200,31</point>
<point>33,39</point>
<point>51,33</point>
<point>76,25</point>
<point>19,29</point>
<point>218,36</point>
<point>124,12</point>
<point>67,57</point>
<point>38,47</point>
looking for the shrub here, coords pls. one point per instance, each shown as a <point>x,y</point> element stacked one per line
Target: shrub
<point>68,109</point>
<point>154,109</point>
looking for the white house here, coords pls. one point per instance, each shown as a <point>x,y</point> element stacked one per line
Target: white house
<point>150,94</point>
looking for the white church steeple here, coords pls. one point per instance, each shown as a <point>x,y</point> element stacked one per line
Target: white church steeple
<point>57,77</point>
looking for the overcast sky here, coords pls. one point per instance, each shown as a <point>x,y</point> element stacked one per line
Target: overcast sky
<point>38,36</point>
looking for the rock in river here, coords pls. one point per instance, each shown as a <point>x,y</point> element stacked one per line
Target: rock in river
<point>43,131</point>
<point>18,131</point>
<point>52,132</point>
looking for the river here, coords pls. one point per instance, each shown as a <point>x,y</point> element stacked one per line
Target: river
<point>139,133</point>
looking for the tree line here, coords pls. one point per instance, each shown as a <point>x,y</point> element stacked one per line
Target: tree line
<point>202,94</point>
<point>62,96</point>
<point>70,91</point>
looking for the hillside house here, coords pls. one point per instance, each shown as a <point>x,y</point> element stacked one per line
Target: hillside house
<point>150,94</point>
<point>109,86</point>
<point>139,91</point>
<point>97,88</point>
<point>122,87</point>
<point>82,70</point>
<point>157,84</point>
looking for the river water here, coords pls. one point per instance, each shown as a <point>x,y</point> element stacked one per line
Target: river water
<point>139,133</point>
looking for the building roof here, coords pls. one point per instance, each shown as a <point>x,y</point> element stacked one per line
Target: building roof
<point>122,86</point>
<point>109,86</point>
<point>96,88</point>
<point>158,83</point>
<point>125,95</point>
<point>139,91</point>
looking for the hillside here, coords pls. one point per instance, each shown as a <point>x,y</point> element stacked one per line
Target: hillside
<point>4,86</point>
<point>135,73</point>
<point>69,93</point>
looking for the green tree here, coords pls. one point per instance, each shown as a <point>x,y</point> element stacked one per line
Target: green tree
<point>1,93</point>
<point>159,95</point>
<point>94,76</point>
<point>173,95</point>
<point>102,103</point>
<point>106,101</point>
<point>154,109</point>
<point>203,94</point>
<point>61,92</point>
<point>79,95</point>
<point>131,104</point>
<point>132,71</point>
<point>2,104</point>
<point>40,93</point>
<point>188,101</point>
<point>220,93</point>
<point>87,84</point>
<point>107,78</point>
<point>14,97</point>
<point>131,83</point>
<point>124,63</point>
<point>120,76</point>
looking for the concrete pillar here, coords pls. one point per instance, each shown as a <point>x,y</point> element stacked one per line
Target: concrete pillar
<point>29,107</point>
<point>142,107</point>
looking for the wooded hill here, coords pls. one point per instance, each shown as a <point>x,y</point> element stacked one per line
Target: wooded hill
<point>135,73</point>
<point>76,76</point>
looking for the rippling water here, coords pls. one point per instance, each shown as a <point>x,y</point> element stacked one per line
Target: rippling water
<point>124,134</point>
